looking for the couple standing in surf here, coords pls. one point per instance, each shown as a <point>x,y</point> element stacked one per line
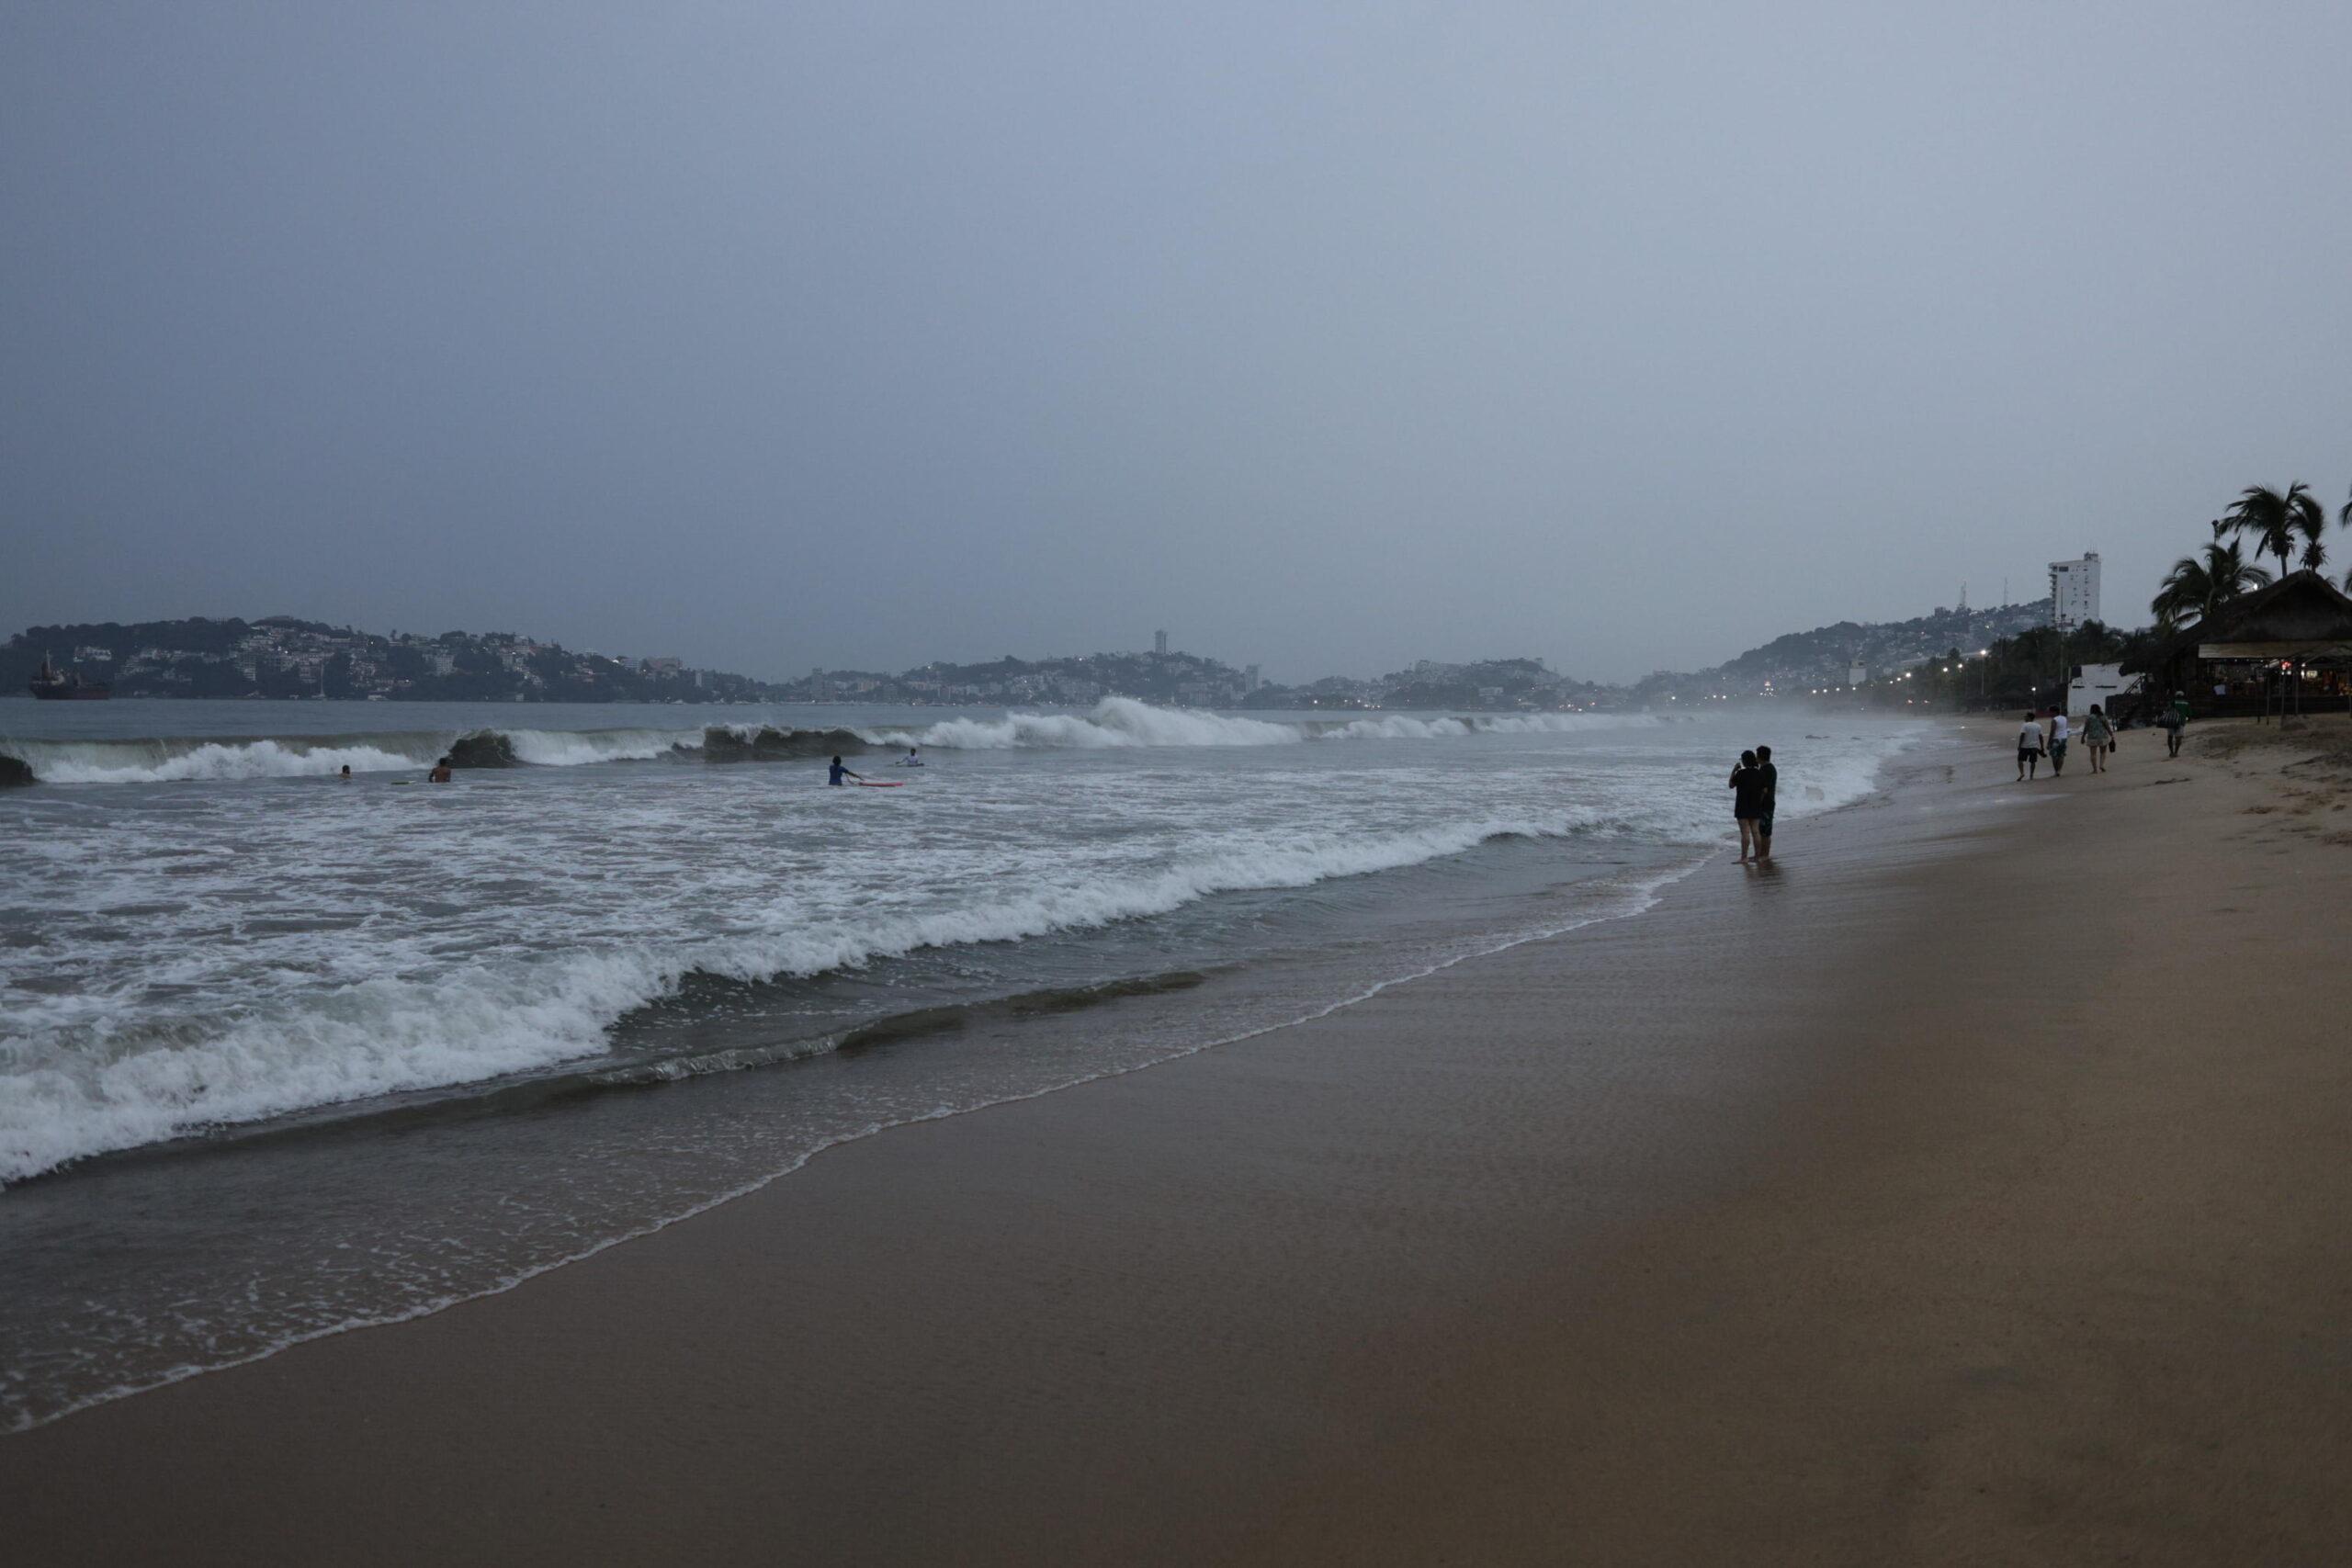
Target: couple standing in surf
<point>1754,784</point>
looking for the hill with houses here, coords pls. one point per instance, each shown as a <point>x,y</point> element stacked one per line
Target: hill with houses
<point>282,655</point>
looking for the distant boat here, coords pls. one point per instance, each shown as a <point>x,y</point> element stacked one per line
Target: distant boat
<point>52,685</point>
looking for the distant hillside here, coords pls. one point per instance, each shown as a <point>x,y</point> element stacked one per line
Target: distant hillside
<point>279,656</point>
<point>1823,656</point>
<point>1188,680</point>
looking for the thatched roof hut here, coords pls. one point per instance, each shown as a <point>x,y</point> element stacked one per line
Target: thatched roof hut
<point>2280,646</point>
<point>2302,617</point>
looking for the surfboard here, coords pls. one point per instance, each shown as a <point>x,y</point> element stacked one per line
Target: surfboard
<point>882,784</point>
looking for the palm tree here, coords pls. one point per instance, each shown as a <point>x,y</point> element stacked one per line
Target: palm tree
<point>2183,593</point>
<point>2231,573</point>
<point>2344,520</point>
<point>2275,520</point>
<point>2311,522</point>
<point>2195,588</point>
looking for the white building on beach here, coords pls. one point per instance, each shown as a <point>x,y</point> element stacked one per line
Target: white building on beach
<point>2073,591</point>
<point>2100,684</point>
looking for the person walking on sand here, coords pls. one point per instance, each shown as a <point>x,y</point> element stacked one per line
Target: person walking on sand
<point>1747,803</point>
<point>2099,735</point>
<point>2060,733</point>
<point>1771,777</point>
<point>2029,747</point>
<point>2173,718</point>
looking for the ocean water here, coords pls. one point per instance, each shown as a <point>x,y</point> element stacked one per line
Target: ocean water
<point>282,1054</point>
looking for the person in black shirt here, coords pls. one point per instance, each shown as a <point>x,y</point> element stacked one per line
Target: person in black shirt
<point>1771,777</point>
<point>1747,802</point>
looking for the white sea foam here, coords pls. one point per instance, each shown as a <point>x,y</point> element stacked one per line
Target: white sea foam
<point>91,1085</point>
<point>267,952</point>
<point>1122,721</point>
<point>1406,727</point>
<point>134,762</point>
<point>286,756</point>
<point>1115,722</point>
<point>574,747</point>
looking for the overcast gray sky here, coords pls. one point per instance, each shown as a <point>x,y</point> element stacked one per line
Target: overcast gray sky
<point>1325,337</point>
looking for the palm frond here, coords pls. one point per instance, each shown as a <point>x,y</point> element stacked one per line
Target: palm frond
<point>2271,516</point>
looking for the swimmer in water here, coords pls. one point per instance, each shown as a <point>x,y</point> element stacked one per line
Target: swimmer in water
<point>839,772</point>
<point>911,760</point>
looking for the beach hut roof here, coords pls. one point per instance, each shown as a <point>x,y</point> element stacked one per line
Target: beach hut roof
<point>2302,616</point>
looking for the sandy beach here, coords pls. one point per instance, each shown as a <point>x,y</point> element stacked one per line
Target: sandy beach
<point>1970,1187</point>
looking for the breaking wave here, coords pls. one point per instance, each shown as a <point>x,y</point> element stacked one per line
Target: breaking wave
<point>1404,727</point>
<point>1115,722</point>
<point>322,756</point>
<point>1122,721</point>
<point>159,761</point>
<point>573,748</point>
<point>81,1090</point>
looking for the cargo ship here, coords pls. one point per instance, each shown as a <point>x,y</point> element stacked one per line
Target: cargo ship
<point>52,685</point>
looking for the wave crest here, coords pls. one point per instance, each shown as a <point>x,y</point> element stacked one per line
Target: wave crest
<point>1115,722</point>
<point>163,762</point>
<point>1124,721</point>
<point>77,1092</point>
<point>321,756</point>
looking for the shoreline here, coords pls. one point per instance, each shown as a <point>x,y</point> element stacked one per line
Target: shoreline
<point>1623,892</point>
<point>1645,888</point>
<point>1471,1267</point>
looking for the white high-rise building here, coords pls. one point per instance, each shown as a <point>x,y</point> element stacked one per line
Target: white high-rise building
<point>2073,591</point>
<point>1159,644</point>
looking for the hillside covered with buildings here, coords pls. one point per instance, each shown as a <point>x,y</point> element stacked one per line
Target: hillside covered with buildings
<point>1850,653</point>
<point>279,656</point>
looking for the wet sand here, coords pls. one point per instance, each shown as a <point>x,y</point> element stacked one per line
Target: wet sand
<point>1969,1187</point>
